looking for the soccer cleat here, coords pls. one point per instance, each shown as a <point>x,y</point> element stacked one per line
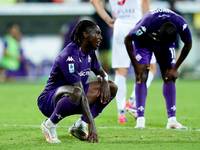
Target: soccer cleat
<point>122,119</point>
<point>78,132</point>
<point>176,126</point>
<point>140,123</point>
<point>130,108</point>
<point>50,133</point>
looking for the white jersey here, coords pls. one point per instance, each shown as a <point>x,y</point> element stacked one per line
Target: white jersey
<point>127,14</point>
<point>126,9</point>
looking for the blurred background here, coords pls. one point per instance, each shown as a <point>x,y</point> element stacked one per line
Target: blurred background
<point>35,31</point>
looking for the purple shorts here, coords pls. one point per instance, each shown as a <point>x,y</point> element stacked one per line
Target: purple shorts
<point>46,103</point>
<point>165,56</point>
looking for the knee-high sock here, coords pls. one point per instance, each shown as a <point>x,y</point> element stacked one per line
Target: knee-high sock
<point>169,92</point>
<point>96,109</point>
<point>120,81</point>
<point>149,80</point>
<point>141,94</point>
<point>63,108</point>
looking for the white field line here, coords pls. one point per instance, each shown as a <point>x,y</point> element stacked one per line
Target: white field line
<point>38,126</point>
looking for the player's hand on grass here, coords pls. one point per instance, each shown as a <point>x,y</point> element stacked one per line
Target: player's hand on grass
<point>92,135</point>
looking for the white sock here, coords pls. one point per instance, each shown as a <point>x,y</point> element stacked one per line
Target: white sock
<point>150,78</point>
<point>49,123</point>
<point>172,119</point>
<point>132,98</point>
<point>120,81</point>
<point>80,122</point>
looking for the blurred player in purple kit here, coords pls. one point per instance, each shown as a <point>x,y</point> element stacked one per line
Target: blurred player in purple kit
<point>156,32</point>
<point>127,14</point>
<point>67,91</point>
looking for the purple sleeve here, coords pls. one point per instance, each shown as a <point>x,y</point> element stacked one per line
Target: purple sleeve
<point>95,62</point>
<point>142,26</point>
<point>183,29</point>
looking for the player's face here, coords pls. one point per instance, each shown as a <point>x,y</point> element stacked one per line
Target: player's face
<point>95,37</point>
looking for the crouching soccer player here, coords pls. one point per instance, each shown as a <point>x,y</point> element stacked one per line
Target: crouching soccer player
<point>156,32</point>
<point>67,93</point>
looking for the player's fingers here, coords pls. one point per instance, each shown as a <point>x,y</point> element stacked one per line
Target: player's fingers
<point>98,93</point>
<point>101,97</point>
<point>95,139</point>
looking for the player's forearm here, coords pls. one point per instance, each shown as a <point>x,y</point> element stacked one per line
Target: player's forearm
<point>145,6</point>
<point>101,74</point>
<point>86,110</point>
<point>185,51</point>
<point>84,104</point>
<point>100,9</point>
<point>129,48</point>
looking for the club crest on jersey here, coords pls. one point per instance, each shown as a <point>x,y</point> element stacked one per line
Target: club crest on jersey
<point>139,32</point>
<point>138,57</point>
<point>71,68</point>
<point>89,58</point>
<point>69,58</point>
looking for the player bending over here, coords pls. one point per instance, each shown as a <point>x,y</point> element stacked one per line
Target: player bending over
<point>156,32</point>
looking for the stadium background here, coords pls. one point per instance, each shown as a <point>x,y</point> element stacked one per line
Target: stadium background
<point>41,23</point>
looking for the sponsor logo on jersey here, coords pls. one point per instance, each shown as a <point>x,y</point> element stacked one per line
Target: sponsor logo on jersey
<point>139,32</point>
<point>138,57</point>
<point>84,73</point>
<point>71,68</point>
<point>70,58</point>
<point>121,2</point>
<point>184,26</point>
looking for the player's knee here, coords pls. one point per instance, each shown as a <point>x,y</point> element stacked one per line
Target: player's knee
<point>144,76</point>
<point>113,88</point>
<point>76,95</point>
<point>169,80</point>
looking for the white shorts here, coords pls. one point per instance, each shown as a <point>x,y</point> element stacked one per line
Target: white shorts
<point>153,59</point>
<point>120,58</point>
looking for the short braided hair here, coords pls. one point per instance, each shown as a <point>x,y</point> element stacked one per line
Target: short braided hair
<point>168,32</point>
<point>78,30</point>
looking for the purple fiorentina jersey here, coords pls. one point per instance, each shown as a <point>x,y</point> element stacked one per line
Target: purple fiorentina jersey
<point>153,20</point>
<point>71,66</point>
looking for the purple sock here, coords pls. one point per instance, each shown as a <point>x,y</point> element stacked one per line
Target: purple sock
<point>140,96</point>
<point>169,92</point>
<point>96,109</point>
<point>64,107</point>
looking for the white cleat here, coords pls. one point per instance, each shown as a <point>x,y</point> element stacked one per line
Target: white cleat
<point>50,133</point>
<point>176,126</point>
<point>78,132</point>
<point>140,123</point>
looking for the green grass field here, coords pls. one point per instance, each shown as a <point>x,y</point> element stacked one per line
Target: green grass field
<point>20,121</point>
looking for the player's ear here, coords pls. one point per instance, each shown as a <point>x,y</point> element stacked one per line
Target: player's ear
<point>85,35</point>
